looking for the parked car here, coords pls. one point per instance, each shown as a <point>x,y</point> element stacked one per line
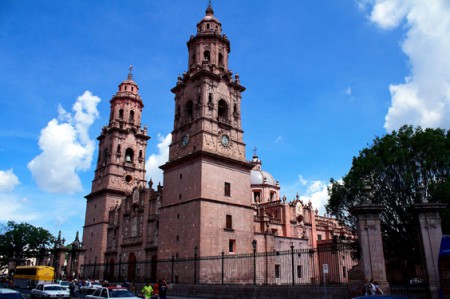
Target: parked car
<point>116,292</point>
<point>10,294</point>
<point>51,290</point>
<point>384,297</point>
<point>65,284</point>
<point>90,287</point>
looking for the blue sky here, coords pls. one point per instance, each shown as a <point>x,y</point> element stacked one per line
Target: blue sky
<point>323,79</point>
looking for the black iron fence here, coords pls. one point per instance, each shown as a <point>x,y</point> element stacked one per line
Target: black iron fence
<point>294,267</point>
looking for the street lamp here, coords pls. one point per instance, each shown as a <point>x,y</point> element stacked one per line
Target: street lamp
<point>195,264</point>
<point>254,261</point>
<point>292,258</point>
<point>95,266</point>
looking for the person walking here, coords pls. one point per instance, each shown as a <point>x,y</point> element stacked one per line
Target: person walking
<point>147,291</point>
<point>162,289</point>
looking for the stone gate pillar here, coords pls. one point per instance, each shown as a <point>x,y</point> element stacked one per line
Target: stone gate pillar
<point>430,234</point>
<point>372,262</point>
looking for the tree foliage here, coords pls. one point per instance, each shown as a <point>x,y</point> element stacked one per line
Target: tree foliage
<point>394,166</point>
<point>22,240</point>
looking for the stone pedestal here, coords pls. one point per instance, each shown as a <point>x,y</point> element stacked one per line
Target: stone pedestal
<point>372,262</point>
<point>431,235</point>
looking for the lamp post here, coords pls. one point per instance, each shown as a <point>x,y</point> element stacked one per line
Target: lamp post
<point>292,258</point>
<point>195,264</point>
<point>95,266</point>
<point>223,254</point>
<point>254,261</point>
<point>173,261</point>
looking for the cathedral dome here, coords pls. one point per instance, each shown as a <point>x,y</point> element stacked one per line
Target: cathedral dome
<point>259,177</point>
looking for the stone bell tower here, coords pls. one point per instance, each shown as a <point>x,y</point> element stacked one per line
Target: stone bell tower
<point>207,197</point>
<point>120,166</point>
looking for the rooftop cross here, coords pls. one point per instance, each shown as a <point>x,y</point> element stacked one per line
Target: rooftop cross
<point>255,149</point>
<point>130,74</point>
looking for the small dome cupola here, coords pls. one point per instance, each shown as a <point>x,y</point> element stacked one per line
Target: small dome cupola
<point>209,23</point>
<point>129,86</point>
<point>259,176</point>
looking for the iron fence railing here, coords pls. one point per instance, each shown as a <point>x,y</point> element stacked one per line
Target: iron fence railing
<point>295,267</point>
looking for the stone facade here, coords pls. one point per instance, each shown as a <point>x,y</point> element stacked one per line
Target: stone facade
<point>213,201</point>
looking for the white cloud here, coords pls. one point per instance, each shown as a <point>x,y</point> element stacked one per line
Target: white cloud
<point>314,191</point>
<point>15,209</point>
<point>8,180</point>
<point>424,98</point>
<point>348,91</point>
<point>158,159</point>
<point>302,180</point>
<point>317,193</point>
<point>388,13</point>
<point>66,147</point>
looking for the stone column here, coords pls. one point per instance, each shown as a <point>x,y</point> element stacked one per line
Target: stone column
<point>431,235</point>
<point>372,262</point>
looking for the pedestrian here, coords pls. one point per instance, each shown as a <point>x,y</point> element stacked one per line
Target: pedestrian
<point>72,289</point>
<point>163,289</point>
<point>367,288</point>
<point>147,291</point>
<point>155,291</point>
<point>378,290</point>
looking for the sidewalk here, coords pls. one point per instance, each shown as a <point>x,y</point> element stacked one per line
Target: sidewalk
<point>179,297</point>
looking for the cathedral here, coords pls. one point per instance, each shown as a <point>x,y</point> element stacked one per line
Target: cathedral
<point>212,201</point>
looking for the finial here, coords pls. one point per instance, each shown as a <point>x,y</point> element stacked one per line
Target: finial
<point>130,73</point>
<point>209,10</point>
<point>255,149</point>
<point>367,194</point>
<point>421,193</point>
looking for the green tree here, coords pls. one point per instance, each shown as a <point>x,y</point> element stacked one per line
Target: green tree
<point>394,166</point>
<point>22,240</point>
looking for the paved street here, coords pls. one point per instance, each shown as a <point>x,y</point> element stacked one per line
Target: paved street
<point>26,293</point>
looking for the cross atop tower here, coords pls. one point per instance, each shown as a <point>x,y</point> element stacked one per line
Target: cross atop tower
<point>130,73</point>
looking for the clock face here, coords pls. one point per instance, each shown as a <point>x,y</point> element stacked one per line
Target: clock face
<point>185,140</point>
<point>225,140</point>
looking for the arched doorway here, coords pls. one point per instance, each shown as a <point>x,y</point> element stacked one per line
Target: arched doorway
<point>131,267</point>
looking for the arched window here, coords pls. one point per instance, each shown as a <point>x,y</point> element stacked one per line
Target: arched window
<point>140,155</point>
<point>220,59</point>
<point>121,114</point>
<point>207,26</point>
<point>129,155</point>
<point>190,110</point>
<point>206,55</point>
<point>131,118</point>
<point>119,150</point>
<point>223,110</point>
